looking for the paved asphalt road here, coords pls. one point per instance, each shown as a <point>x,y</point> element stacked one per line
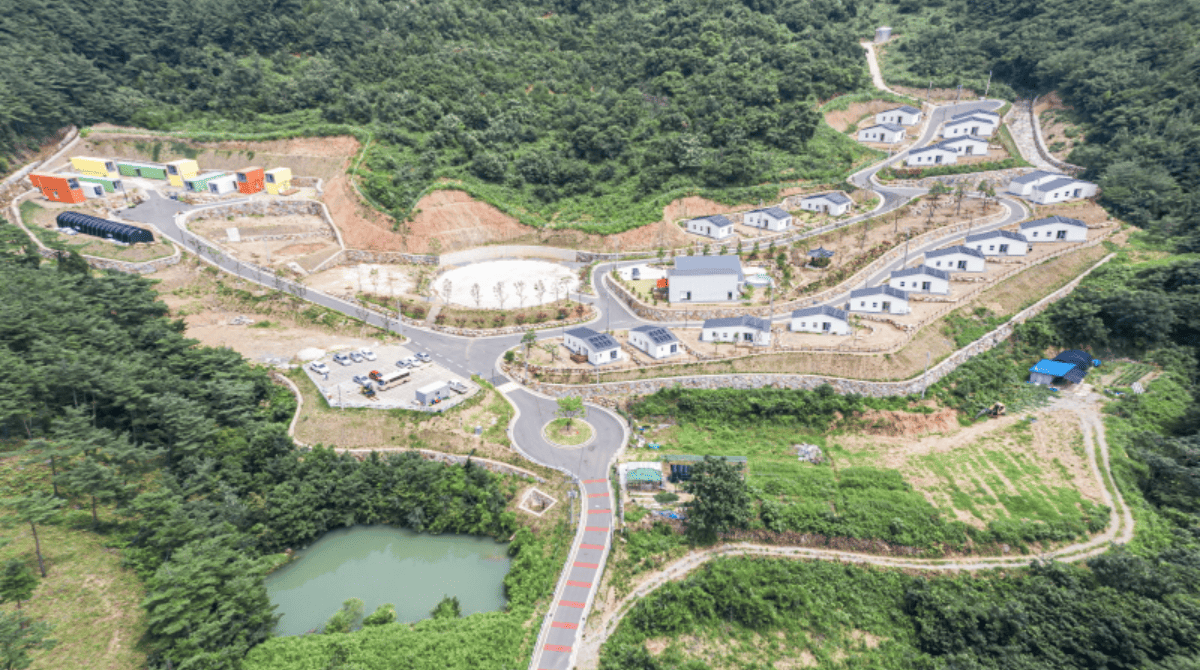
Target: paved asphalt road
<point>588,464</point>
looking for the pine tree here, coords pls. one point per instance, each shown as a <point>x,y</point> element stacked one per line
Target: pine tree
<point>36,509</point>
<point>17,582</point>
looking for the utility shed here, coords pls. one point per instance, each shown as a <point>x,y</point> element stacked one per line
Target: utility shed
<point>278,180</point>
<point>681,464</point>
<point>97,227</point>
<point>431,394</point>
<point>1046,371</point>
<point>1082,362</point>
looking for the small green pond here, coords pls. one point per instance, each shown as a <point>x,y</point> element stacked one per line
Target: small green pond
<point>382,564</point>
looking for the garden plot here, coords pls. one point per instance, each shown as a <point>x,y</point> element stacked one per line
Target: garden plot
<point>271,241</point>
<point>508,283</point>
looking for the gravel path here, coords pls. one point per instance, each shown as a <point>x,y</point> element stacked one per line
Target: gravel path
<point>1021,129</point>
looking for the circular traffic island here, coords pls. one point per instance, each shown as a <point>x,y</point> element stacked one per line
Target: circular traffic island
<point>575,433</point>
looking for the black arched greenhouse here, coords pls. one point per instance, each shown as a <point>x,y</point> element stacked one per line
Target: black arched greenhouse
<point>91,225</point>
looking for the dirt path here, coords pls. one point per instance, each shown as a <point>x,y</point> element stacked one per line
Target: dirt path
<point>873,66</point>
<point>1119,531</point>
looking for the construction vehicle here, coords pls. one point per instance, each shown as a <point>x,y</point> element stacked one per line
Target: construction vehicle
<point>997,409</point>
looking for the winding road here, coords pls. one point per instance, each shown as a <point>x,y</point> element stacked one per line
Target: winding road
<point>560,642</point>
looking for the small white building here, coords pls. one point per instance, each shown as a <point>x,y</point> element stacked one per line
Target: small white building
<point>884,133</point>
<point>744,329</point>
<point>705,279</point>
<point>934,154</point>
<point>999,243</point>
<point>956,259</point>
<point>821,319</point>
<point>600,348</point>
<point>966,145</point>
<point>921,279</point>
<point>769,218</point>
<point>1025,184</point>
<point>1063,189</point>
<point>226,183</point>
<point>879,300</point>
<point>970,123</point>
<point>834,203</point>
<point>91,190</point>
<point>716,226</point>
<point>905,115</point>
<point>656,341</point>
<point>1055,229</point>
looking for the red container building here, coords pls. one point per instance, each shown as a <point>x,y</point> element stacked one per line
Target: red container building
<point>58,188</point>
<point>250,180</point>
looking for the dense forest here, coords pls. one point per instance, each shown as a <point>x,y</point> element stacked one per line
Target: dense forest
<point>1131,70</point>
<point>599,105</point>
<point>189,445</point>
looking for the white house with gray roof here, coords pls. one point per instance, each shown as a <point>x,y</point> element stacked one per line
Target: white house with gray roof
<point>770,218</point>
<point>966,145</point>
<point>656,341</point>
<point>705,279</point>
<point>716,226</point>
<point>1055,229</point>
<point>934,154</point>
<point>978,124</point>
<point>821,319</point>
<point>743,329</point>
<point>999,243</point>
<point>879,300</point>
<point>1048,188</point>
<point>834,203</point>
<point>1025,184</point>
<point>600,348</point>
<point>921,279</point>
<point>956,259</point>
<point>905,115</point>
<point>884,133</point>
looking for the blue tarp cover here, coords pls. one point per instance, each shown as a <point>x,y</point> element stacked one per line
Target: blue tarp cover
<point>1052,368</point>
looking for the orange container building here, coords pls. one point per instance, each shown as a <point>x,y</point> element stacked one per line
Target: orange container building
<point>250,180</point>
<point>58,188</point>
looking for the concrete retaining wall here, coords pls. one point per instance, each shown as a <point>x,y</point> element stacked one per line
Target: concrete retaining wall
<point>604,393</point>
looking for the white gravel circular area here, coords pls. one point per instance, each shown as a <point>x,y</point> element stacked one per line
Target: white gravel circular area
<point>558,280</point>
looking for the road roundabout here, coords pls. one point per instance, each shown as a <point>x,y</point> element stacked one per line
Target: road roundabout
<point>569,434</point>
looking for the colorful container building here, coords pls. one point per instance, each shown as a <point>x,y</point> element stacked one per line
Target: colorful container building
<point>91,190</point>
<point>199,183</point>
<point>94,167</point>
<point>179,170</point>
<point>250,180</point>
<point>278,180</point>
<point>58,188</point>
<point>110,185</point>
<point>145,170</point>
<point>223,184</point>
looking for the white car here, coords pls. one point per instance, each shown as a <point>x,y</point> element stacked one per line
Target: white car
<point>319,368</point>
<point>367,354</point>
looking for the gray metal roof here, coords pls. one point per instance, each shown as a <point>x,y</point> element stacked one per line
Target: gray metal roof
<point>895,128</point>
<point>582,332</point>
<point>931,147</point>
<point>879,290</point>
<point>957,249</point>
<point>745,321</point>
<point>969,118</point>
<point>774,212</point>
<point>836,197</point>
<point>819,310</point>
<point>975,112</point>
<point>715,219</point>
<point>907,109</point>
<point>1057,183</point>
<point>690,266</point>
<point>657,334</point>
<point>1034,176</point>
<point>992,234</point>
<point>1052,220</point>
<point>922,270</point>
<point>821,252</point>
<point>962,138</point>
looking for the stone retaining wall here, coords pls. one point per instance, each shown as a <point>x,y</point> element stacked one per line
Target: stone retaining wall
<point>605,392</point>
<point>131,267</point>
<point>1000,179</point>
<point>1040,143</point>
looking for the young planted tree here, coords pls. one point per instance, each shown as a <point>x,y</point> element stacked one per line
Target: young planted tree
<point>36,509</point>
<point>94,478</point>
<point>476,294</point>
<point>527,341</point>
<point>571,408</point>
<point>539,288</point>
<point>501,293</point>
<point>447,287</point>
<point>721,500</point>
<point>17,582</point>
<point>519,288</point>
<point>960,193</point>
<point>20,635</point>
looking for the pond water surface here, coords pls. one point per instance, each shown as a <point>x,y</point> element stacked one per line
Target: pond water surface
<point>382,564</point>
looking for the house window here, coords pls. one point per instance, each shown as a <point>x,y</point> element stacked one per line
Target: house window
<point>614,355</point>
<point>825,326</point>
<point>1062,234</point>
<point>1004,248</point>
<point>803,324</point>
<point>687,295</point>
<point>748,337</point>
<point>962,265</point>
<point>674,348</point>
<point>862,303</point>
<point>730,295</point>
<point>1035,234</point>
<point>874,305</point>
<point>991,247</point>
<point>924,286</point>
<point>939,264</point>
<point>901,284</point>
<point>887,306</point>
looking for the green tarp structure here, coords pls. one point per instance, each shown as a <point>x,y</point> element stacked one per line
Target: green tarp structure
<point>147,170</point>
<point>645,475</point>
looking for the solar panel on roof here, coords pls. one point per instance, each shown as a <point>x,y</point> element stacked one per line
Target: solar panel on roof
<point>661,335</point>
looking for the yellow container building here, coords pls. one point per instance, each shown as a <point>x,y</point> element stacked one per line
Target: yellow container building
<point>94,167</point>
<point>179,170</point>
<point>278,180</point>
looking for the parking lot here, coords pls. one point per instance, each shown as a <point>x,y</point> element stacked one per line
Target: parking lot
<point>340,389</point>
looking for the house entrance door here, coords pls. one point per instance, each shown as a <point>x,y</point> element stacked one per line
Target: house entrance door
<point>887,307</point>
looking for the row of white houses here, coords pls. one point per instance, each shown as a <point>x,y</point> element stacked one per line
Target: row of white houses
<point>774,219</point>
<point>890,125</point>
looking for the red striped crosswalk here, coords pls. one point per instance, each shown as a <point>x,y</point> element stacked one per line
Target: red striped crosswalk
<point>557,647</point>
<point>601,529</point>
<point>582,585</point>
<point>592,546</point>
<point>581,564</point>
<point>571,603</point>
<point>564,624</point>
<point>595,481</point>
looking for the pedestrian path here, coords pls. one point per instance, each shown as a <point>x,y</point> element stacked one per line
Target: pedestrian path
<point>509,387</point>
<point>559,642</point>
